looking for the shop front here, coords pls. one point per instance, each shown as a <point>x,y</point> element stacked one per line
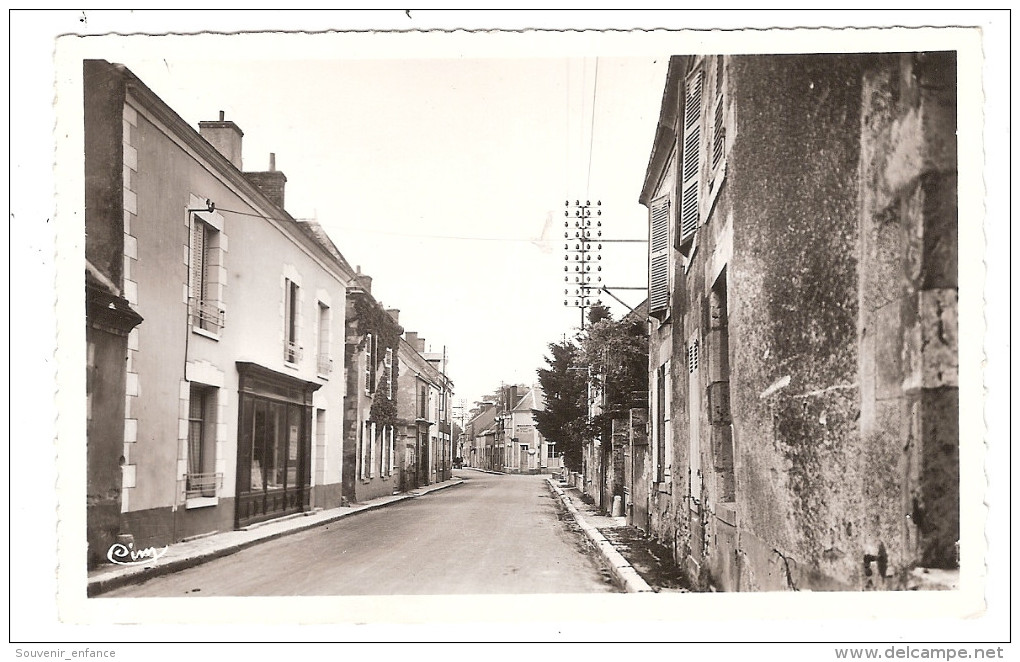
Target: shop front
<point>273,444</point>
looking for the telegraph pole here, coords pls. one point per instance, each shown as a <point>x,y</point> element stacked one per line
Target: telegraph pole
<point>582,255</point>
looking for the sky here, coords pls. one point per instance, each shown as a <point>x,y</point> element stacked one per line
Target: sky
<point>442,178</point>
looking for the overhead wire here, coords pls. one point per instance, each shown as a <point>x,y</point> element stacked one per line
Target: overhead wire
<point>396,234</point>
<point>591,134</point>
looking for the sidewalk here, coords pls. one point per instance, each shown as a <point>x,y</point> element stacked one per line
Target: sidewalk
<point>182,555</point>
<point>638,563</point>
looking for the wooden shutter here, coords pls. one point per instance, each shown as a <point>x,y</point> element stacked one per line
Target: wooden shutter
<point>658,270</point>
<point>369,368</point>
<point>388,363</point>
<point>691,166</point>
<point>198,260</point>
<point>694,429</point>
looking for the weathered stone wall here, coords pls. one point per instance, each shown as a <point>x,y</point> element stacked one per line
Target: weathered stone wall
<point>792,326</point>
<point>908,301</point>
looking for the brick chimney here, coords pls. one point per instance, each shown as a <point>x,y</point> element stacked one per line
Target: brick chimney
<point>364,281</point>
<point>271,182</point>
<point>394,314</point>
<point>225,136</point>
<point>412,339</point>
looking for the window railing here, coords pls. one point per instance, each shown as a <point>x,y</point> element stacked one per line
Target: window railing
<point>324,365</point>
<point>202,485</point>
<point>291,352</point>
<point>206,314</point>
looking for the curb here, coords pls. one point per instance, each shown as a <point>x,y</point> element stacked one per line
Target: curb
<point>623,572</point>
<point>486,471</point>
<point>102,585</point>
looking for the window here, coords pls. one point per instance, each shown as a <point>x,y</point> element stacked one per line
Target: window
<point>373,442</point>
<point>324,363</point>
<point>719,394</point>
<point>658,269</point>
<point>388,372</point>
<point>204,304</point>
<point>660,424</point>
<point>202,479</point>
<point>393,460</point>
<point>423,402</point>
<point>550,450</point>
<point>292,349</point>
<point>718,119</point>
<point>690,168</point>
<point>363,448</point>
<point>694,412</point>
<point>370,359</point>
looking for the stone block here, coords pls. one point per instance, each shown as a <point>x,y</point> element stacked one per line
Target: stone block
<point>719,403</point>
<point>867,375</point>
<point>931,215</point>
<point>934,350</point>
<point>130,202</point>
<point>717,346</point>
<point>128,476</point>
<point>936,502</point>
<point>722,447</point>
<point>888,350</point>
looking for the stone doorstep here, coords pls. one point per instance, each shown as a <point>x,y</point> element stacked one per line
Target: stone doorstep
<point>204,548</point>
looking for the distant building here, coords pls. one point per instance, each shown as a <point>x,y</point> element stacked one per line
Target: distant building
<point>371,452</point>
<point>803,296</point>
<point>530,451</point>
<point>424,416</point>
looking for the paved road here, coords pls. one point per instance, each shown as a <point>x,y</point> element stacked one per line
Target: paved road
<point>493,534</point>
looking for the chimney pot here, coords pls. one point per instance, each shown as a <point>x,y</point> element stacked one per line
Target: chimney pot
<point>222,116</point>
<point>272,162</point>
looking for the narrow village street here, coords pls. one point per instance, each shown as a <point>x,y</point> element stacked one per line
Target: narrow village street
<point>493,534</point>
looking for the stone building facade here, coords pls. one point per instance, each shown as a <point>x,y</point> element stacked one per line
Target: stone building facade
<point>230,404</point>
<point>803,395</point>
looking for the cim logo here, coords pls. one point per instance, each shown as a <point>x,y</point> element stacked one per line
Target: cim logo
<point>122,554</point>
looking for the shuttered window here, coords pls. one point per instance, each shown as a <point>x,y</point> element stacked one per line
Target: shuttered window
<point>369,364</point>
<point>694,438</point>
<point>199,261</point>
<point>388,363</point>
<point>291,348</point>
<point>658,270</point>
<point>691,168</point>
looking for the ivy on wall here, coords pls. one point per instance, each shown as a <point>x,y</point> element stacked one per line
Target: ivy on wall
<point>370,317</point>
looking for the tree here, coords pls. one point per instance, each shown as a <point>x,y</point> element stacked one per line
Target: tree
<point>610,356</point>
<point>566,391</point>
<point>617,354</point>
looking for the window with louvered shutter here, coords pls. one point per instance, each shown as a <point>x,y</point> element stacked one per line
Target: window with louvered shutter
<point>658,270</point>
<point>369,365</point>
<point>691,169</point>
<point>388,363</point>
<point>694,425</point>
<point>199,259</point>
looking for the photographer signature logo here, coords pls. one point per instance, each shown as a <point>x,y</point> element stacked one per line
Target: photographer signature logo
<point>122,554</point>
